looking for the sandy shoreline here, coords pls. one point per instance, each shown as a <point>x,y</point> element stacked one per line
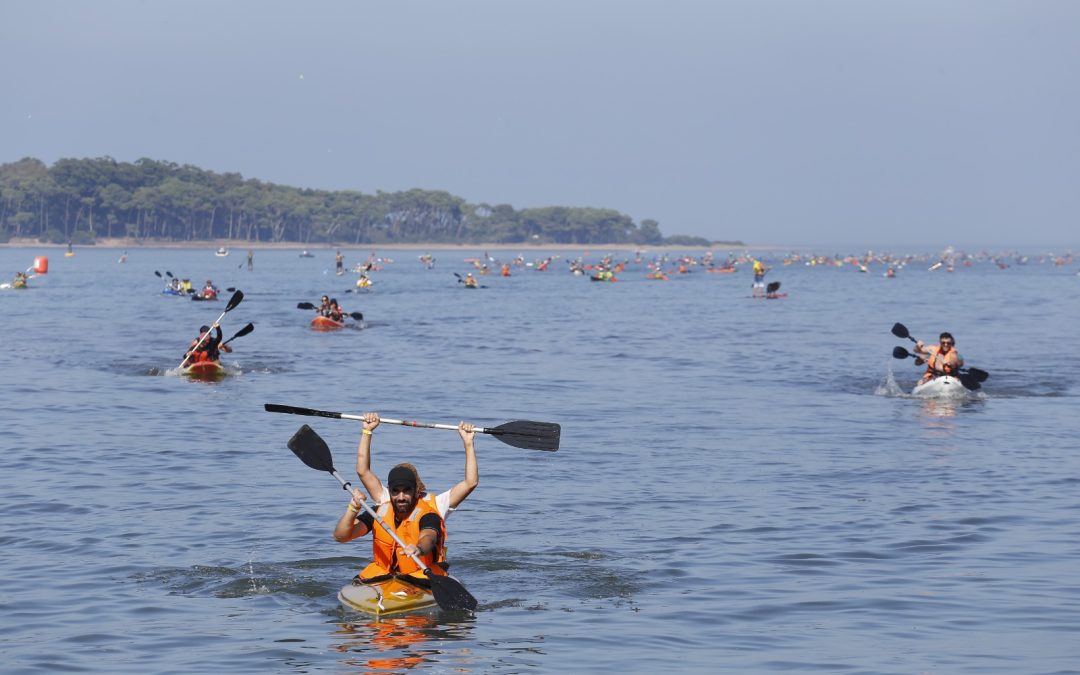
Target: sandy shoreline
<point>238,248</point>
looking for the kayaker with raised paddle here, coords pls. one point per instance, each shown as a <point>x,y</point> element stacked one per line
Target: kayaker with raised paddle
<point>205,347</point>
<point>418,517</point>
<point>940,359</point>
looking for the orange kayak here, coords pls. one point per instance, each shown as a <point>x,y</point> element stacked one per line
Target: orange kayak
<point>326,323</point>
<point>205,370</point>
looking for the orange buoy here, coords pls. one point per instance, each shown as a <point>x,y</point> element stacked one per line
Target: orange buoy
<point>41,265</point>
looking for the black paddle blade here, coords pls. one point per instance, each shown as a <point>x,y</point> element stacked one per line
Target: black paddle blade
<point>450,594</point>
<point>241,333</point>
<point>168,274</point>
<point>234,301</point>
<point>293,410</point>
<point>157,273</point>
<point>978,374</point>
<point>900,353</point>
<point>528,435</point>
<point>900,331</point>
<point>311,449</point>
<point>305,305</point>
<point>359,316</point>
<point>773,287</point>
<point>971,383</point>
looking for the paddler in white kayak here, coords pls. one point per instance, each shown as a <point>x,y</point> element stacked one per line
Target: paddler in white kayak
<point>941,359</point>
<point>418,517</point>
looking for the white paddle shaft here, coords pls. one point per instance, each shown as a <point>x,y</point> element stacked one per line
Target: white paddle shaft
<point>412,423</point>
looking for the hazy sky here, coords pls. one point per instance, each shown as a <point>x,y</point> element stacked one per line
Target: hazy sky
<point>798,122</point>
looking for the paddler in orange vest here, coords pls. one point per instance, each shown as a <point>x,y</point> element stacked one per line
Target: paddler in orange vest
<point>941,359</point>
<point>417,517</point>
<point>209,291</point>
<point>206,348</point>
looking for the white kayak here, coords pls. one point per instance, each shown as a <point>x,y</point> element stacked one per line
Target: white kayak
<point>943,386</point>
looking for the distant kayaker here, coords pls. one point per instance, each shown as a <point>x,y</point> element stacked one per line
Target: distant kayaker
<point>418,517</point>
<point>20,280</point>
<point>941,359</point>
<point>470,281</point>
<point>205,347</point>
<point>209,291</point>
<point>185,286</point>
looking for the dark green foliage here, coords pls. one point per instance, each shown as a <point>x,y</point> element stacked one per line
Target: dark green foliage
<point>684,240</point>
<point>80,200</point>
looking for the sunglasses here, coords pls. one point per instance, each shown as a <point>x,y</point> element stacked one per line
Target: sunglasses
<point>947,343</point>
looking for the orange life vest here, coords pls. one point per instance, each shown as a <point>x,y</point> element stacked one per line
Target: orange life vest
<point>205,352</point>
<point>938,363</point>
<point>384,549</point>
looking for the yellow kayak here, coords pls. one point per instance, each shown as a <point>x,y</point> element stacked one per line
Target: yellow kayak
<point>386,597</point>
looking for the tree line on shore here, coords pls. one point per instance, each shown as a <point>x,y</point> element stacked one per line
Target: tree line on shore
<point>80,200</point>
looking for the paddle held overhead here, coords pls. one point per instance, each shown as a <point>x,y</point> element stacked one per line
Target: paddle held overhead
<point>519,433</point>
<point>313,451</point>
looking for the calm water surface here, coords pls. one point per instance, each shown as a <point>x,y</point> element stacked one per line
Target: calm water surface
<point>743,485</point>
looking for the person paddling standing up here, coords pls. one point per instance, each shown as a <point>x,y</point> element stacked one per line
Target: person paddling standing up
<point>339,264</point>
<point>758,289</point>
<point>418,518</point>
<point>942,359</point>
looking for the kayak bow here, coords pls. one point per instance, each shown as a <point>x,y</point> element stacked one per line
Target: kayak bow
<point>386,597</point>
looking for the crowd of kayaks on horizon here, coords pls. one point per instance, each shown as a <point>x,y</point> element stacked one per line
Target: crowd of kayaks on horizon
<point>203,355</point>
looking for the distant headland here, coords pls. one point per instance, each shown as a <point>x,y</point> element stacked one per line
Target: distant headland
<point>158,203</point>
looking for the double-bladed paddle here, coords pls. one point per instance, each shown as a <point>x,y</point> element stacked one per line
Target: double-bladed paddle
<point>235,300</point>
<point>358,316</point>
<point>520,433</point>
<point>901,331</point>
<point>312,450</point>
<point>969,377</point>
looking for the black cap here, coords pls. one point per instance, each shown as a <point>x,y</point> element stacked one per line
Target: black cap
<point>204,329</point>
<point>401,475</point>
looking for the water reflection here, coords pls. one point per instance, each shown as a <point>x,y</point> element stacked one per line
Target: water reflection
<point>401,643</point>
<point>941,408</point>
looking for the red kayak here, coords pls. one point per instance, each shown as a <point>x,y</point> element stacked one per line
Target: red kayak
<point>326,323</point>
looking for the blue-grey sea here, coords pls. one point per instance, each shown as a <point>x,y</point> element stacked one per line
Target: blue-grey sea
<point>743,485</point>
